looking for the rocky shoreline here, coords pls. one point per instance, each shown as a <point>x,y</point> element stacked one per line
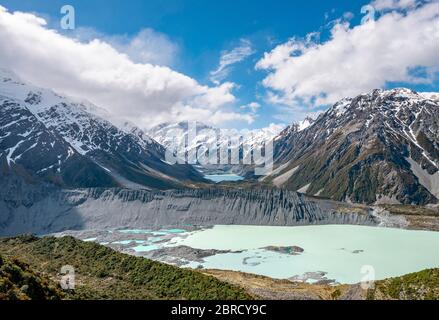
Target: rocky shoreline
<point>182,255</point>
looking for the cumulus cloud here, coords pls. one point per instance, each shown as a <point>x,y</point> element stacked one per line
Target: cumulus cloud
<point>252,106</point>
<point>400,46</point>
<point>382,5</point>
<point>147,46</point>
<point>99,71</point>
<point>210,117</point>
<point>229,58</point>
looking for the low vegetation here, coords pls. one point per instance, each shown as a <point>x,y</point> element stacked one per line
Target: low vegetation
<point>399,209</point>
<point>102,273</point>
<point>19,282</point>
<point>423,285</point>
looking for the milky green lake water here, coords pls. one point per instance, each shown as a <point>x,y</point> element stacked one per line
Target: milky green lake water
<point>340,250</point>
<point>217,178</point>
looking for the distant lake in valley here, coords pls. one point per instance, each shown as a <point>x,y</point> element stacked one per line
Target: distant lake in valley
<point>217,178</point>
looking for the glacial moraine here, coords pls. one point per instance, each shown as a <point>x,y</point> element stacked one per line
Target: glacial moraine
<point>86,209</point>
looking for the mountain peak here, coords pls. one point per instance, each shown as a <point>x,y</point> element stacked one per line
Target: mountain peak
<point>8,76</point>
<point>381,146</point>
<point>51,136</point>
<point>380,101</point>
<point>397,93</point>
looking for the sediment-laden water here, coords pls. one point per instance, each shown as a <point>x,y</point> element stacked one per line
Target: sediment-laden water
<point>329,253</point>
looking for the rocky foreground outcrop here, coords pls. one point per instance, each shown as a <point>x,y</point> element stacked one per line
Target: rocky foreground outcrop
<point>114,208</point>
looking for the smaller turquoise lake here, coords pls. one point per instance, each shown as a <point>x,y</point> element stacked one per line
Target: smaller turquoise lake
<point>217,178</point>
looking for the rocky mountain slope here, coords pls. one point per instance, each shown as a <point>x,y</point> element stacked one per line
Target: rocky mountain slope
<point>47,137</point>
<point>379,147</point>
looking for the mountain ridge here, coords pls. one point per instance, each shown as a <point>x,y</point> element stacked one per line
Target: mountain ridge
<point>377,147</point>
<point>66,143</point>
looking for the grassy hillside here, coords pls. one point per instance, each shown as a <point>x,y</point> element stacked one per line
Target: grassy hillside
<point>423,285</point>
<point>102,273</point>
<point>19,282</point>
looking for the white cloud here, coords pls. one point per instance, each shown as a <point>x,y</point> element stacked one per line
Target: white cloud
<point>187,112</point>
<point>382,5</point>
<point>355,59</point>
<point>148,46</point>
<point>143,93</point>
<point>229,58</point>
<point>253,107</point>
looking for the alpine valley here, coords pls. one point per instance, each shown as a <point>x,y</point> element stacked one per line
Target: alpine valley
<point>99,193</point>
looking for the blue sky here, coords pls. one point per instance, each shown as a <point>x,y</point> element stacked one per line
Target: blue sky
<point>202,31</point>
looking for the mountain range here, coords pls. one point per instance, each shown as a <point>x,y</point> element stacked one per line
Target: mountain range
<point>378,147</point>
<point>46,137</point>
<point>166,135</point>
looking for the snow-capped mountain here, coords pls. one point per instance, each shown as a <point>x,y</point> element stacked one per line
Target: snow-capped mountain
<point>67,142</point>
<point>166,135</point>
<point>382,146</point>
<point>295,127</point>
<point>430,95</point>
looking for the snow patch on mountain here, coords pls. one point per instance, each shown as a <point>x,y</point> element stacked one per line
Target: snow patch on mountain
<point>341,107</point>
<point>304,124</point>
<point>430,95</point>
<point>70,125</point>
<point>191,136</point>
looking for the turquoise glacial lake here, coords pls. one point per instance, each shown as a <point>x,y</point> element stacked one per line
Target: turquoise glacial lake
<point>343,252</point>
<point>217,178</point>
